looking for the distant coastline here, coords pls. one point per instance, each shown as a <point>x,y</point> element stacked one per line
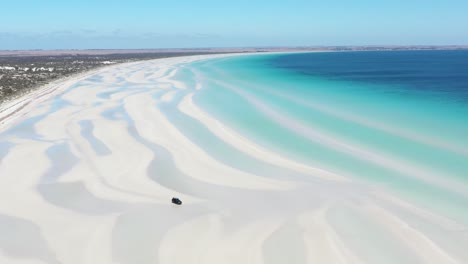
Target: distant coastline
<point>61,52</point>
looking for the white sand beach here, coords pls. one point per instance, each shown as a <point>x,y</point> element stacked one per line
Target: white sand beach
<point>89,164</point>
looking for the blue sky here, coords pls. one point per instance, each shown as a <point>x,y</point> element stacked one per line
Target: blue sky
<point>85,24</point>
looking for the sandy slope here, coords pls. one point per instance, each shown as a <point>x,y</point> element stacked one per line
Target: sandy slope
<point>89,164</point>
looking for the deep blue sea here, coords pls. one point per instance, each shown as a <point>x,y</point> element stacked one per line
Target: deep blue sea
<point>443,72</point>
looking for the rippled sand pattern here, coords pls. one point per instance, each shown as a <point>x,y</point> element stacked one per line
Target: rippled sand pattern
<point>88,168</point>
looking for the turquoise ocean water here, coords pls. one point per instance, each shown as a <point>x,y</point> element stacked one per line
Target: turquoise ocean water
<point>394,120</point>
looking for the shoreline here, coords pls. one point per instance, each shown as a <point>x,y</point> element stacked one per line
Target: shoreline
<point>15,104</point>
<point>22,72</point>
<point>12,106</point>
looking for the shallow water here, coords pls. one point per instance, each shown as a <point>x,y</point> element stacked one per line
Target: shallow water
<point>373,116</point>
